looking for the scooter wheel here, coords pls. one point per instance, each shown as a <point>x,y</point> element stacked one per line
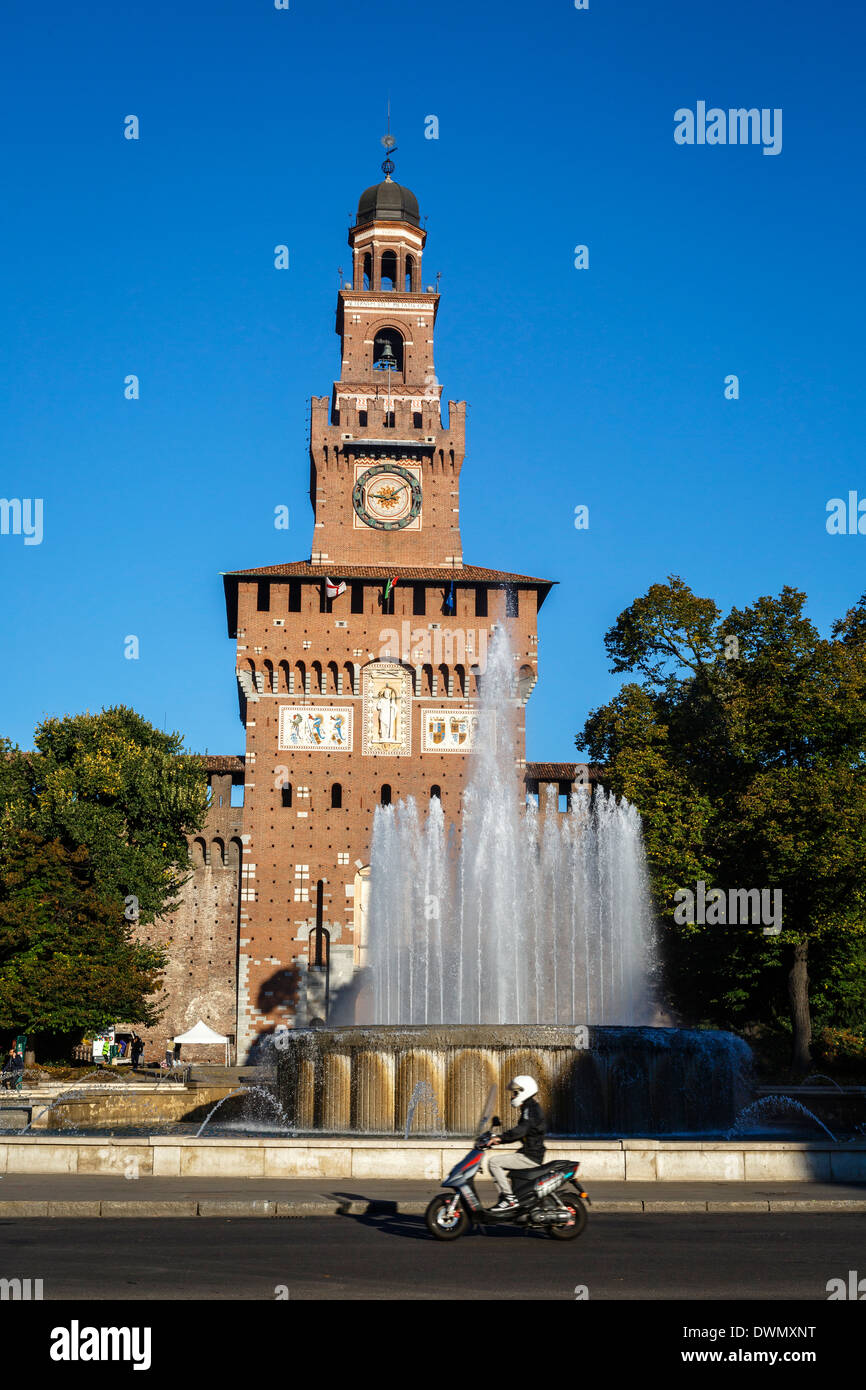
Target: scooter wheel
<point>574,1228</point>
<point>442,1223</point>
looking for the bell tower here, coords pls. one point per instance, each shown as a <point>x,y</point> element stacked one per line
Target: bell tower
<point>356,691</point>
<point>384,469</point>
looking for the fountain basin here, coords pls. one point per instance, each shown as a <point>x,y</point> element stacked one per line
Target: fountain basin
<point>593,1080</point>
<point>359,1159</point>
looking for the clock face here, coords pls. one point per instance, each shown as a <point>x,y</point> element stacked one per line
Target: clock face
<point>387,497</point>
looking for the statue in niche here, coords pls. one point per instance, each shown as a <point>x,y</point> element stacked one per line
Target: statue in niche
<point>386,710</point>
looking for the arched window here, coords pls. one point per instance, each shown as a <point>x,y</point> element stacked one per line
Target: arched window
<point>300,677</point>
<point>349,683</point>
<point>436,791</point>
<point>333,673</point>
<point>525,682</point>
<point>368,270</point>
<point>235,853</point>
<point>320,948</point>
<point>385,795</point>
<point>460,681</point>
<point>286,794</point>
<point>474,682</point>
<point>336,797</point>
<point>389,270</point>
<point>316,681</point>
<point>217,854</point>
<point>199,853</point>
<point>410,274</point>
<point>270,684</point>
<point>443,680</point>
<point>284,677</point>
<point>388,349</point>
<point>426,680</point>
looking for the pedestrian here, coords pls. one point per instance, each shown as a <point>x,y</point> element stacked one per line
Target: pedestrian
<point>136,1051</point>
<point>8,1073</point>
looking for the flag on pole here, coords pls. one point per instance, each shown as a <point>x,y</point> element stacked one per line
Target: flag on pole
<point>389,586</point>
<point>449,599</point>
<point>333,590</point>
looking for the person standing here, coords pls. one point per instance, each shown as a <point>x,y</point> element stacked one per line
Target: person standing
<point>8,1073</point>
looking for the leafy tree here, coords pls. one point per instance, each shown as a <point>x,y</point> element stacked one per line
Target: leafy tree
<point>118,787</point>
<point>743,747</point>
<point>69,961</point>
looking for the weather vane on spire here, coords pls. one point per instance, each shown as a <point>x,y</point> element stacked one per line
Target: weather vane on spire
<point>390,145</point>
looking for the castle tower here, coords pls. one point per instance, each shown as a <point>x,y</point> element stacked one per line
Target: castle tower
<point>360,668</point>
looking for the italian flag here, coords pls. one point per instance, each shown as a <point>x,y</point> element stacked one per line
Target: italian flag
<point>333,590</point>
<point>389,586</point>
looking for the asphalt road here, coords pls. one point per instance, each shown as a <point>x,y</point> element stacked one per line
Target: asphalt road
<point>775,1256</point>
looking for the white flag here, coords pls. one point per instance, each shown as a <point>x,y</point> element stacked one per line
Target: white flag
<point>334,590</point>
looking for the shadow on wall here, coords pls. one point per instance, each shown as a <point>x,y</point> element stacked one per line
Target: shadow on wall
<point>348,1002</point>
<point>280,989</point>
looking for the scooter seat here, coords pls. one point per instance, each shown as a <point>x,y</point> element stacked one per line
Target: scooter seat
<point>542,1171</point>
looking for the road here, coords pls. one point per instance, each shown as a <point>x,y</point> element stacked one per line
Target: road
<point>767,1257</point>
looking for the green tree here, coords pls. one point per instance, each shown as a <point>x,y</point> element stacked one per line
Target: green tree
<point>118,787</point>
<point>69,961</point>
<point>743,749</point>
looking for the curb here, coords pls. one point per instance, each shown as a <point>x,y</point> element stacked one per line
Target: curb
<point>239,1208</point>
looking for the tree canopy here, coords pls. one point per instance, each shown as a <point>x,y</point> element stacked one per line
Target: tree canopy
<point>743,748</point>
<point>118,787</point>
<point>69,961</point>
<point>93,841</point>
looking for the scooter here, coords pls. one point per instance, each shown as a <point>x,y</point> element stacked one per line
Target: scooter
<point>545,1200</point>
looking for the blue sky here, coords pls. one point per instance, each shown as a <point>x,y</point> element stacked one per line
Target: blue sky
<point>602,387</point>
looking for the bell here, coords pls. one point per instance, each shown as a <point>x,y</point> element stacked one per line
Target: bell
<point>386,357</point>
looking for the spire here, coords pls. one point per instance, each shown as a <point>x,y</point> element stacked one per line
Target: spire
<point>390,145</point>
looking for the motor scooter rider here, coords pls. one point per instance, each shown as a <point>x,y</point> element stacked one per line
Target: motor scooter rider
<point>530,1130</point>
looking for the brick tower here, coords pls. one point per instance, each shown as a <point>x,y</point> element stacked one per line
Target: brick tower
<point>359,669</point>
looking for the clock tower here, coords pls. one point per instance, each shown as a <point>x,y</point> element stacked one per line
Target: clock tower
<point>385,473</point>
<point>361,668</point>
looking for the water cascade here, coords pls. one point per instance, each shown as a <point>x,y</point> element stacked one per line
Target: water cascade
<point>538,916</point>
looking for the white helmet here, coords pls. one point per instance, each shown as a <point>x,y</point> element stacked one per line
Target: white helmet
<point>522,1088</point>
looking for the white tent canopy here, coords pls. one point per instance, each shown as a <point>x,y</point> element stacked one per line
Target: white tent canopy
<point>201,1034</point>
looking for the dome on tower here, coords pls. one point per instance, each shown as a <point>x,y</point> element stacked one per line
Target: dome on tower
<point>388,202</point>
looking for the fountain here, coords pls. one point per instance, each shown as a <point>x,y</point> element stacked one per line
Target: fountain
<point>423,1095</point>
<point>247,1092</point>
<point>769,1107</point>
<point>527,947</point>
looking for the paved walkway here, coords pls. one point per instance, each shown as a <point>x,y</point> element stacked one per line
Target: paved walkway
<point>65,1195</point>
